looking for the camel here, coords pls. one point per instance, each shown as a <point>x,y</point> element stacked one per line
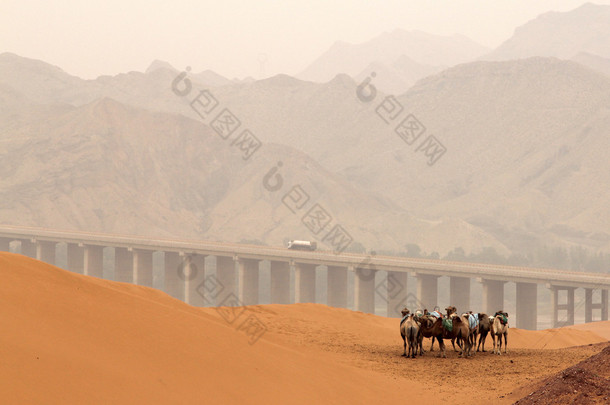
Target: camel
<point>497,331</point>
<point>484,327</point>
<point>472,327</point>
<point>427,330</point>
<point>426,333</point>
<point>409,330</point>
<point>420,337</point>
<point>460,331</point>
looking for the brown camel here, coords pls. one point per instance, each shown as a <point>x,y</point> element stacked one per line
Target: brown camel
<point>409,330</point>
<point>427,330</point>
<point>484,327</point>
<point>460,331</point>
<point>450,310</point>
<point>498,329</point>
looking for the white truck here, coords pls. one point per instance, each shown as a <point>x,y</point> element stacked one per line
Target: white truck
<point>302,245</point>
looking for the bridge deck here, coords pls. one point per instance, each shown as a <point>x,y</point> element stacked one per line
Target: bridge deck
<point>388,263</point>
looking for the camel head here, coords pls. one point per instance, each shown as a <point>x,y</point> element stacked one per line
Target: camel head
<point>405,311</point>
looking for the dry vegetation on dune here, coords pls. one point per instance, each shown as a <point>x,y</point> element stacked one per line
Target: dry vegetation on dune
<point>68,338</point>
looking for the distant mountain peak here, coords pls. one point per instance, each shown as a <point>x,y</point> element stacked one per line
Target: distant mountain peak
<point>30,63</point>
<point>343,80</point>
<point>421,47</point>
<point>281,80</point>
<point>560,34</point>
<point>159,64</point>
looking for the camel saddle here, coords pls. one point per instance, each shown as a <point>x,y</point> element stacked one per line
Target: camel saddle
<point>503,318</point>
<point>473,321</point>
<point>448,324</point>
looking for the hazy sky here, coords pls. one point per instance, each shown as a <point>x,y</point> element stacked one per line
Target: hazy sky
<point>237,38</point>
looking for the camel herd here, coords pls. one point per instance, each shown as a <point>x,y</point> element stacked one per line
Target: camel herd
<point>463,329</point>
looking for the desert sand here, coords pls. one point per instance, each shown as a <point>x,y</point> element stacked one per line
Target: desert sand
<point>69,338</point>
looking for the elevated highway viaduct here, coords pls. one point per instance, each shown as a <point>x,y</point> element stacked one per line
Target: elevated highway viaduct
<point>188,275</point>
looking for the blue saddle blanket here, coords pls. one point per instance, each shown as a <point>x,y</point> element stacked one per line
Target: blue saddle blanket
<point>473,320</point>
<point>435,314</point>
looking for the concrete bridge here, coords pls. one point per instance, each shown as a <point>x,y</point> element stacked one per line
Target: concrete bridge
<point>236,279</point>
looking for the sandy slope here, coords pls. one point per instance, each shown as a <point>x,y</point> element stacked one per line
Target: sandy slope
<point>68,338</point>
<point>599,328</point>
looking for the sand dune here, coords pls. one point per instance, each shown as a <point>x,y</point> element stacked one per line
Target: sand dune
<point>599,328</point>
<point>68,338</point>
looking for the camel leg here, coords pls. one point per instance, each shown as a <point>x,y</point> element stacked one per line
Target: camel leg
<point>405,346</point>
<point>453,344</point>
<point>464,353</point>
<point>432,346</point>
<point>505,341</point>
<point>481,341</point>
<point>414,348</point>
<point>499,345</point>
<point>473,345</point>
<point>441,346</point>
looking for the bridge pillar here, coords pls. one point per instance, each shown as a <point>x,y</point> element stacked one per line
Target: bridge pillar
<point>123,265</point>
<point>28,248</point>
<point>602,305</point>
<point>396,292</point>
<point>226,277</point>
<point>174,286</point>
<point>304,282</point>
<point>5,244</point>
<point>45,251</point>
<point>336,282</point>
<point>527,306</point>
<point>143,267</point>
<point>556,306</point>
<point>280,282</point>
<point>247,274</point>
<point>193,272</point>
<point>427,290</point>
<point>75,258</point>
<point>93,261</point>
<point>493,296</point>
<point>364,290</point>
<point>459,293</point>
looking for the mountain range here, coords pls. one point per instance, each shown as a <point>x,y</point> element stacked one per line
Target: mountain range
<point>524,129</point>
